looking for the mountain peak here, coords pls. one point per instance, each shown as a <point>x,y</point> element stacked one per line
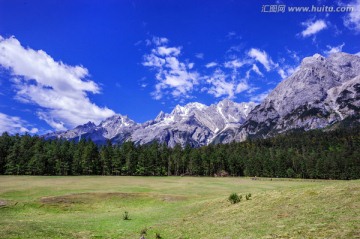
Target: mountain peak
<point>188,108</point>
<point>196,105</point>
<point>87,125</point>
<point>160,116</point>
<point>312,59</point>
<point>117,120</point>
<point>225,101</point>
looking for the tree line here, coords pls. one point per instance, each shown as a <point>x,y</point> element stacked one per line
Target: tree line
<point>313,154</point>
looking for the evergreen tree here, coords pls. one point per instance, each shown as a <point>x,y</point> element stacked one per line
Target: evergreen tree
<point>313,154</point>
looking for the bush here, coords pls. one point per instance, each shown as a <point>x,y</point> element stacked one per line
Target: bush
<point>126,216</point>
<point>234,198</point>
<point>143,231</point>
<point>290,173</point>
<point>248,196</point>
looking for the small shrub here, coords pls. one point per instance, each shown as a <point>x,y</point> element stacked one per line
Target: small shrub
<point>248,196</point>
<point>126,216</point>
<point>234,198</point>
<point>290,173</point>
<point>157,236</point>
<point>143,231</point>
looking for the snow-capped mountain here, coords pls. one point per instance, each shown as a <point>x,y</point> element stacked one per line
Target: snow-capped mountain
<point>74,133</point>
<point>107,129</point>
<point>116,124</point>
<point>195,124</point>
<point>321,92</point>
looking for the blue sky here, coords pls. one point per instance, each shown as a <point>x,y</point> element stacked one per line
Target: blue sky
<point>64,63</point>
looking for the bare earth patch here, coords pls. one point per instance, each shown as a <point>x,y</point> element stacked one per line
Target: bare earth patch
<point>83,198</point>
<point>78,198</point>
<point>172,198</point>
<point>3,203</point>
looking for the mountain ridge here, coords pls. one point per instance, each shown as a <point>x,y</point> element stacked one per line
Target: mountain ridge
<point>193,123</point>
<point>321,92</point>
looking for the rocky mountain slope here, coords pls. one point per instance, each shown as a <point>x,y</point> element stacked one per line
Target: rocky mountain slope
<point>320,93</point>
<point>195,124</point>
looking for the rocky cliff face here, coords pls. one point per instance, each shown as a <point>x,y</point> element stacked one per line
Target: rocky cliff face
<point>320,93</point>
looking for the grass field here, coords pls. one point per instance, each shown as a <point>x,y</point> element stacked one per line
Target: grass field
<point>177,207</point>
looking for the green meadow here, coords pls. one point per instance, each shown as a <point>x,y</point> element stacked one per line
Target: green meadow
<point>177,207</point>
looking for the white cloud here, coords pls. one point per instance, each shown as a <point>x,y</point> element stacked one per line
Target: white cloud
<point>154,61</point>
<point>260,97</point>
<point>234,64</point>
<point>282,73</point>
<point>334,49</point>
<point>220,86</point>
<point>293,55</point>
<point>352,20</point>
<point>199,55</point>
<point>262,57</point>
<point>59,90</point>
<point>233,35</point>
<point>256,70</point>
<point>171,74</point>
<point>252,90</point>
<point>157,41</point>
<point>225,85</point>
<point>178,79</point>
<point>242,86</point>
<point>313,27</point>
<point>211,64</point>
<point>286,70</point>
<point>165,51</point>
<point>137,43</point>
<point>13,125</point>
<point>236,48</point>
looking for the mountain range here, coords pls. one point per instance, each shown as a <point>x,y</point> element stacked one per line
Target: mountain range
<point>320,93</point>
